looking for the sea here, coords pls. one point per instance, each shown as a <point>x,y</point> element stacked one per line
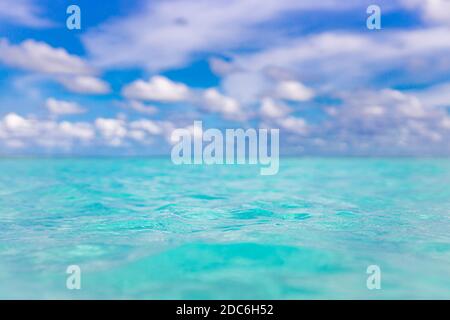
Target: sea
<point>144,228</point>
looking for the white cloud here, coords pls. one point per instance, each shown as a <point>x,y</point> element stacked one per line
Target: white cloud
<point>147,125</point>
<point>158,88</point>
<point>271,109</point>
<point>73,72</point>
<point>435,96</point>
<point>433,11</point>
<point>161,89</point>
<point>85,84</point>
<point>365,122</point>
<point>384,122</point>
<point>346,59</point>
<point>61,107</point>
<point>174,32</point>
<point>81,131</point>
<point>293,124</point>
<point>276,114</point>
<point>246,87</point>
<point>112,130</point>
<point>222,67</point>
<point>279,67</point>
<point>214,101</point>
<point>437,10</point>
<point>23,12</point>
<point>40,57</point>
<point>15,123</point>
<point>19,132</point>
<point>117,132</point>
<point>139,106</point>
<point>381,122</point>
<point>294,91</point>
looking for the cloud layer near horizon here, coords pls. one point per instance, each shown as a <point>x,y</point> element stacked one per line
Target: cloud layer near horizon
<point>340,89</point>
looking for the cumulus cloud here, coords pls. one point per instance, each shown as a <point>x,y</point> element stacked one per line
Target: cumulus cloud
<point>61,107</point>
<point>271,109</point>
<point>264,79</point>
<point>383,122</point>
<point>293,124</point>
<point>162,89</point>
<point>147,125</point>
<point>112,130</point>
<point>294,91</point>
<point>15,123</point>
<point>73,72</point>
<point>117,132</point>
<point>23,12</point>
<point>214,101</point>
<point>432,11</point>
<point>275,114</point>
<point>40,57</point>
<point>85,84</point>
<point>158,88</point>
<point>17,131</point>
<point>247,87</point>
<point>366,122</point>
<point>139,106</point>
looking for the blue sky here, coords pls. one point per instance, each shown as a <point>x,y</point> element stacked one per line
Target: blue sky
<point>137,70</point>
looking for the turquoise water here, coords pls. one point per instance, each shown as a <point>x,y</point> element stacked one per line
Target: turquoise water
<point>146,229</point>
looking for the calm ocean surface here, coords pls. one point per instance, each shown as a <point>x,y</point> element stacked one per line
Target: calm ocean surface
<point>147,229</point>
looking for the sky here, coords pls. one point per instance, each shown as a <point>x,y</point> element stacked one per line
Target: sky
<point>137,70</point>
